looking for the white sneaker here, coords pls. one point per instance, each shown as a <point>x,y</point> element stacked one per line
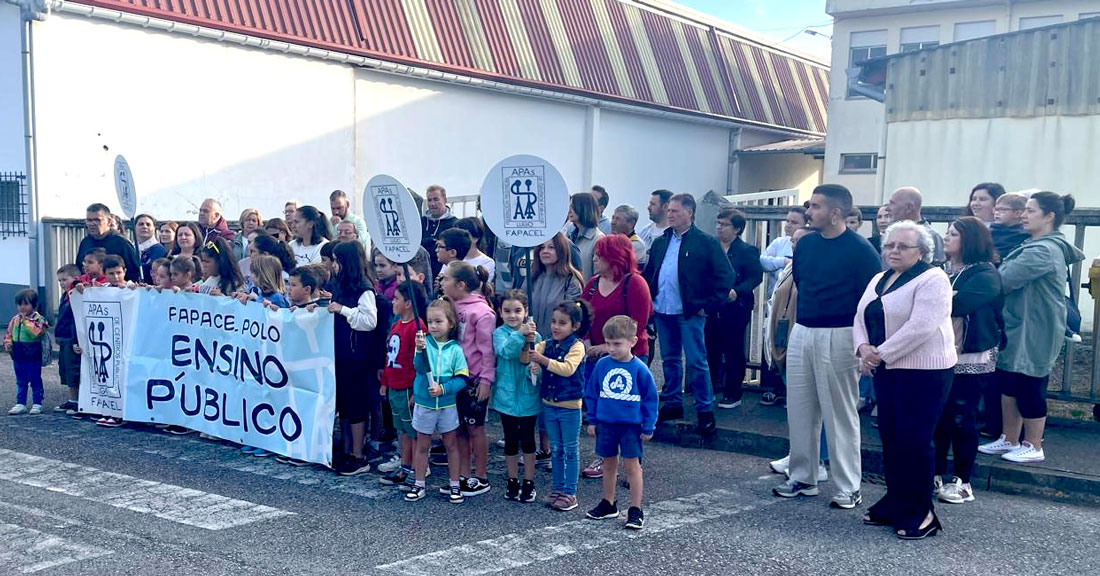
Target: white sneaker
<point>781,466</point>
<point>17,410</point>
<point>937,485</point>
<point>822,472</point>
<point>998,446</point>
<point>390,465</point>
<point>36,410</point>
<point>956,492</point>
<point>1025,453</point>
<point>500,444</point>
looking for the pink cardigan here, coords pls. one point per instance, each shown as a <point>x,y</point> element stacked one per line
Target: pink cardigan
<point>919,334</point>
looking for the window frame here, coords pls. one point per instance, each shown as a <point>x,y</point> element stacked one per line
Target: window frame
<point>872,170</point>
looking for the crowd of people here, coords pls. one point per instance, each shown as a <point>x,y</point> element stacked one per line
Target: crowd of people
<point>920,329</point>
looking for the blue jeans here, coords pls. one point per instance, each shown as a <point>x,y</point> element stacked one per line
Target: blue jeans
<point>563,426</point>
<point>683,337</point>
<point>28,373</point>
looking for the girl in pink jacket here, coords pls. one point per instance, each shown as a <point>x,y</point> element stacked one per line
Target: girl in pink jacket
<point>468,288</point>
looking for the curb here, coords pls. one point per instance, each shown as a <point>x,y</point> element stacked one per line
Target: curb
<point>1058,485</point>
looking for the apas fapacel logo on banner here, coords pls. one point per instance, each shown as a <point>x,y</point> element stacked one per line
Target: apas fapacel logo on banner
<point>104,328</point>
<point>524,197</point>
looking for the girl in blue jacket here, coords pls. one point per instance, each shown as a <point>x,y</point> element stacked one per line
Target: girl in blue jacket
<point>516,392</point>
<point>441,373</point>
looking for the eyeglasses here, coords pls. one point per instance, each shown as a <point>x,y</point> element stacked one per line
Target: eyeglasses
<point>899,247</point>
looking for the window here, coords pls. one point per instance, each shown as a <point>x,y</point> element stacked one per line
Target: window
<point>1039,21</point>
<point>913,39</point>
<point>971,30</point>
<point>13,205</point>
<point>858,163</point>
<point>865,46</point>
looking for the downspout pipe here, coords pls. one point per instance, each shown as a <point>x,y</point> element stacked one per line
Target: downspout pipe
<point>31,11</point>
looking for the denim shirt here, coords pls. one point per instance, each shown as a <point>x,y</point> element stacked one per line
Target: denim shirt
<point>668,280</point>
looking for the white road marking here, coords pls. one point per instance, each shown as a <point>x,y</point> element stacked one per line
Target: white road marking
<point>27,551</point>
<point>190,448</point>
<point>176,503</point>
<point>520,549</point>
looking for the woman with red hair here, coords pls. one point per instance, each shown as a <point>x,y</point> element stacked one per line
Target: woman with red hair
<point>616,288</point>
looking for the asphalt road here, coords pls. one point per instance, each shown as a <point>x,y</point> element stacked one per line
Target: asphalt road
<point>79,499</point>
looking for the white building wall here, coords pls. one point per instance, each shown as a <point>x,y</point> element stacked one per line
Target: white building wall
<point>637,155</point>
<point>423,132</point>
<point>194,119</point>
<point>14,251</point>
<point>855,125</point>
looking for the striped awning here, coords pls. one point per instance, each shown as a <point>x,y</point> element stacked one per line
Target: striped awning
<point>608,49</point>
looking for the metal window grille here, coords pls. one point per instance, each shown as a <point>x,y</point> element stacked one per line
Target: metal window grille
<point>13,204</point>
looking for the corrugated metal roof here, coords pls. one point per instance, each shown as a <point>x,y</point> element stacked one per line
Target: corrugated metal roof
<point>1049,71</point>
<point>801,146</point>
<point>606,48</point>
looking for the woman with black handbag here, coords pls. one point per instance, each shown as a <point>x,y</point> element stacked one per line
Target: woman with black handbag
<point>976,315</point>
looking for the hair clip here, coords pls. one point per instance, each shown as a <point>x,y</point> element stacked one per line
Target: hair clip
<point>214,247</point>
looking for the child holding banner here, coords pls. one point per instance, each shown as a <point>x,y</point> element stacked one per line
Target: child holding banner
<point>516,393</point>
<point>468,288</point>
<point>440,375</point>
<point>399,374</point>
<point>24,340</point>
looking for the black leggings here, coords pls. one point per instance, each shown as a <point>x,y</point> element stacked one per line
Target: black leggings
<point>958,427</point>
<point>518,431</point>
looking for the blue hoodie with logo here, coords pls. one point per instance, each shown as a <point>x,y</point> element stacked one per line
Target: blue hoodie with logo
<point>622,393</point>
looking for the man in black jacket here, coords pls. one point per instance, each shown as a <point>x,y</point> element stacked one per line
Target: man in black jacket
<point>688,274</point>
<point>435,221</point>
<point>97,221</point>
<point>725,332</point>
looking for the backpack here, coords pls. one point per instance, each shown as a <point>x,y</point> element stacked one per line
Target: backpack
<point>47,348</point>
<point>1073,312</point>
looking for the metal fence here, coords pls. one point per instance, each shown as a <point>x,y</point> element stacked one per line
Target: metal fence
<point>1075,362</point>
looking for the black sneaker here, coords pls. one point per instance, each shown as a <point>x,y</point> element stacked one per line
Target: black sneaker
<point>394,478</point>
<point>455,495</point>
<point>290,461</point>
<point>635,520</point>
<point>475,486</point>
<point>512,492</point>
<point>667,413</point>
<point>370,454</point>
<point>446,490</point>
<point>438,459</point>
<point>408,484</point>
<point>177,430</point>
<point>604,510</point>
<point>527,492</point>
<point>354,467</point>
<point>729,403</point>
<point>542,458</point>
<point>67,407</point>
<point>707,427</point>
<point>417,493</point>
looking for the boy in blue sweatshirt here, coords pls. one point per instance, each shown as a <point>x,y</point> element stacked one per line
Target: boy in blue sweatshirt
<point>621,399</point>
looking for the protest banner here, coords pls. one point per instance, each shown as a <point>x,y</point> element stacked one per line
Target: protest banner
<point>394,220</point>
<point>243,373</point>
<point>524,200</point>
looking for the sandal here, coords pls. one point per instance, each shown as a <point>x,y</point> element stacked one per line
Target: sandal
<point>872,519</point>
<point>921,533</point>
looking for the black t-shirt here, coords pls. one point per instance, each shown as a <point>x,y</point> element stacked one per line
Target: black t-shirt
<point>831,275</point>
<point>112,243</point>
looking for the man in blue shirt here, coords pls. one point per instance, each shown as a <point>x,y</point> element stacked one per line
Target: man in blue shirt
<point>689,276</point>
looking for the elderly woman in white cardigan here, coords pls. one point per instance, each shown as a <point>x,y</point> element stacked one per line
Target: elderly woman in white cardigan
<point>903,336</point>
